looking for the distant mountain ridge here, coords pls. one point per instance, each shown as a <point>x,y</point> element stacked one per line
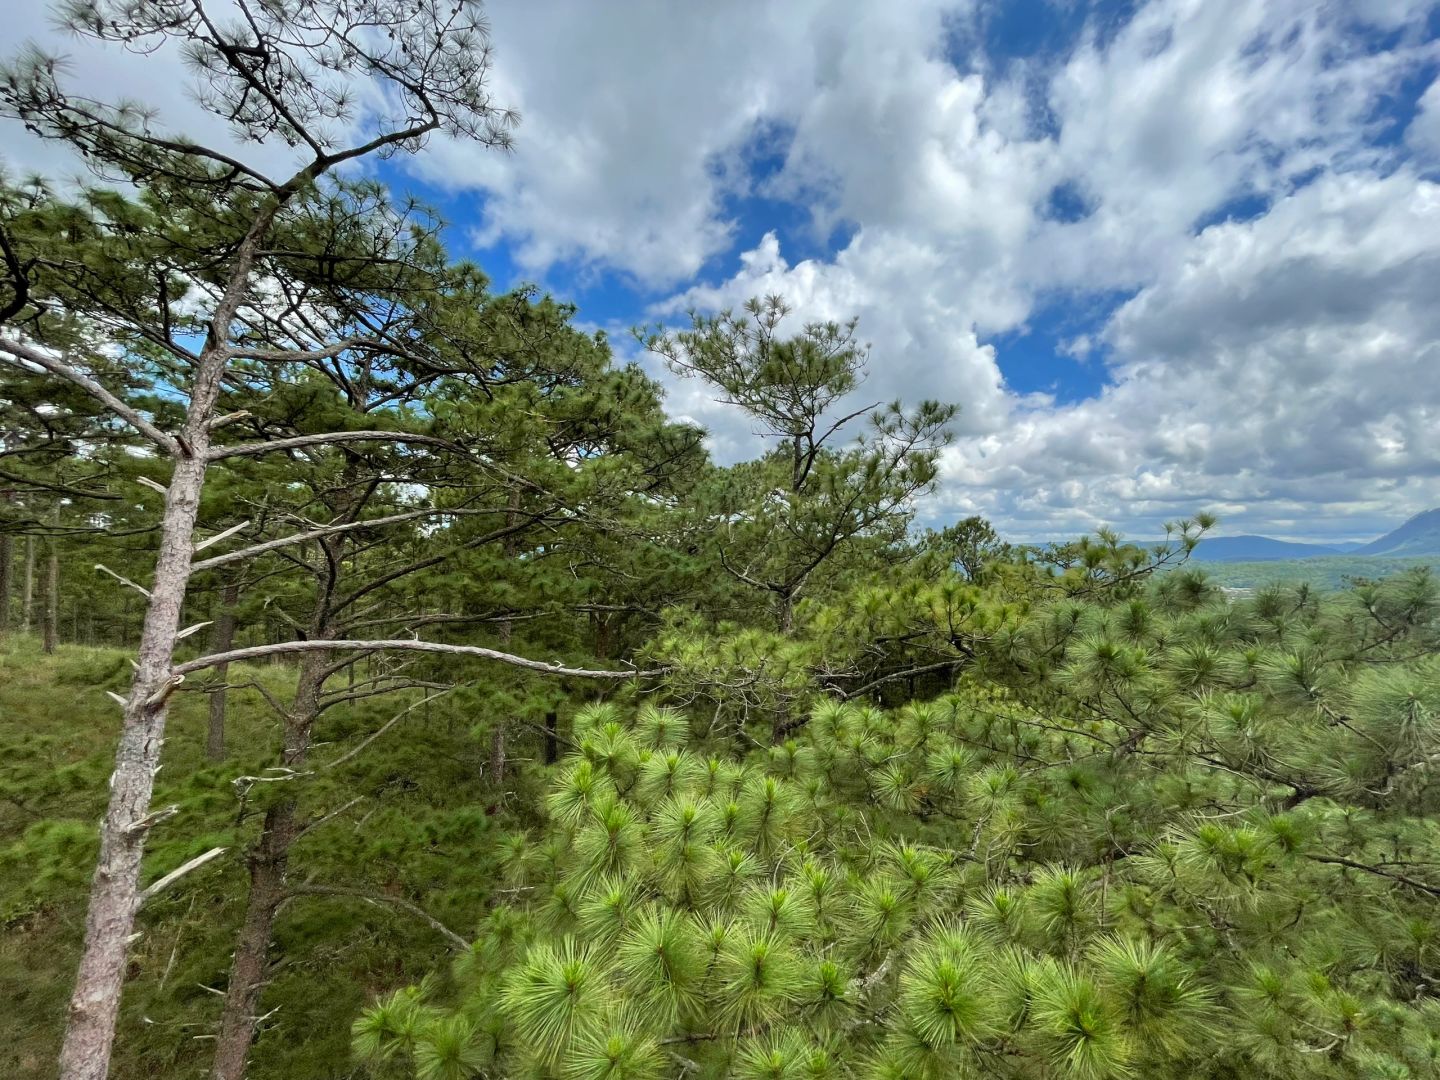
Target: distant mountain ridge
<point>1418,536</point>
<point>1256,549</point>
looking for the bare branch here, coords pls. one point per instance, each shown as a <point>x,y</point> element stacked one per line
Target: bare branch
<point>384,728</point>
<point>203,544</point>
<point>123,580</point>
<point>252,449</point>
<point>382,898</point>
<point>94,389</point>
<point>179,872</point>
<point>254,652</point>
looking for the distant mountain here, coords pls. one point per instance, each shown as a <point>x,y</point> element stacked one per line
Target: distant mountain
<point>1418,536</point>
<point>1255,549</point>
<point>1249,549</point>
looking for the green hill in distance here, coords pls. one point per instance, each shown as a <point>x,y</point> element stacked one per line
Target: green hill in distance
<point>1418,536</point>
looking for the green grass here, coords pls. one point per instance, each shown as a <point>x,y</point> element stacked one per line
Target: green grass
<point>422,830</point>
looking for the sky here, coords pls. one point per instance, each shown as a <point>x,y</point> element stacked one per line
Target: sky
<point>1166,256</point>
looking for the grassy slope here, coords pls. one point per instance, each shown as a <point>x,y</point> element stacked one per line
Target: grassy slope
<point>420,832</point>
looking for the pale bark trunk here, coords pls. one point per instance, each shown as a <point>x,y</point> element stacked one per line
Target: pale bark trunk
<point>268,863</point>
<point>27,597</point>
<point>222,639</point>
<point>115,888</point>
<point>114,892</point>
<point>52,601</point>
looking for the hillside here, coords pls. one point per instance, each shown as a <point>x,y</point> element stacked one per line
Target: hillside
<point>1418,536</point>
<point>422,806</point>
<point>1256,549</point>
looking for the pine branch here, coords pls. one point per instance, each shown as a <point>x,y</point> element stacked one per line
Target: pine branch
<point>58,367</point>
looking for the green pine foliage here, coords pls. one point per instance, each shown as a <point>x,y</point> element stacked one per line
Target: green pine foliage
<point>1196,848</point>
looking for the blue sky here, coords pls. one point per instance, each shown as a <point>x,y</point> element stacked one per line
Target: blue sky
<point>1167,255</point>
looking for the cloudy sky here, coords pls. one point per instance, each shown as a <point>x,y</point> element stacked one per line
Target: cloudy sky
<point>1167,256</point>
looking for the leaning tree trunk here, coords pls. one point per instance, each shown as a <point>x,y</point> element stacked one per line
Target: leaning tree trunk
<point>27,597</point>
<point>115,888</point>
<point>222,638</point>
<point>52,600</point>
<point>114,891</point>
<point>268,861</point>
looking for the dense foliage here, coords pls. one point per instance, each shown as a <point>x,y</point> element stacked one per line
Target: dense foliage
<point>1186,850</point>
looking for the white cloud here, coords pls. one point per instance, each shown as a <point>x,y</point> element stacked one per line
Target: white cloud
<point>1284,368</point>
<point>1276,366</point>
<point>1423,134</point>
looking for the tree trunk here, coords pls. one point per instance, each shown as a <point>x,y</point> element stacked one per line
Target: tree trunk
<point>497,754</point>
<point>27,597</point>
<point>785,616</point>
<point>52,600</point>
<point>222,638</point>
<point>114,891</point>
<point>115,888</point>
<point>7,550</point>
<point>552,738</point>
<point>602,635</point>
<point>507,629</point>
<point>268,861</point>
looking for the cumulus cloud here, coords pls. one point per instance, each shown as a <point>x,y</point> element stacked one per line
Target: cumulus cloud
<point>1215,192</point>
<point>1423,133</point>
<point>1282,371</point>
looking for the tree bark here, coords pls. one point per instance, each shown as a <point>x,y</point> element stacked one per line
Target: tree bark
<point>497,754</point>
<point>508,547</point>
<point>27,597</point>
<point>114,891</point>
<point>552,738</point>
<point>268,861</point>
<point>222,637</point>
<point>115,888</point>
<point>7,554</point>
<point>785,616</point>
<point>52,601</point>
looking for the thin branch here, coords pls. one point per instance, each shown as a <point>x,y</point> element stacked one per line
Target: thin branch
<point>383,729</point>
<point>123,580</point>
<point>218,537</point>
<point>394,901</point>
<point>1337,860</point>
<point>324,530</point>
<point>921,670</point>
<point>404,645</point>
<point>255,448</point>
<point>179,872</point>
<point>94,389</point>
